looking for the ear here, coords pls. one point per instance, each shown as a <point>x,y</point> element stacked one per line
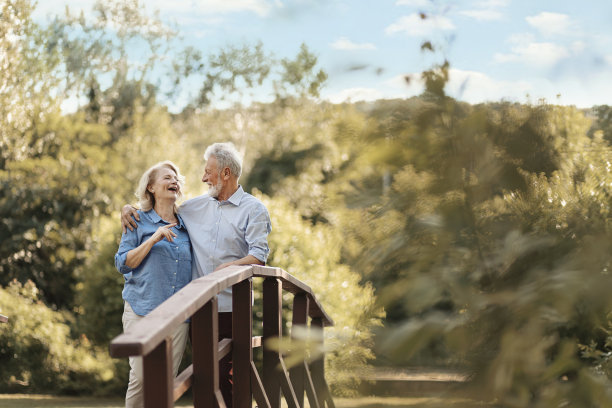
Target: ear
<point>226,173</point>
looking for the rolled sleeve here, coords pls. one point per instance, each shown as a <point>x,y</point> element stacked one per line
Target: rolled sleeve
<point>128,242</point>
<point>257,232</point>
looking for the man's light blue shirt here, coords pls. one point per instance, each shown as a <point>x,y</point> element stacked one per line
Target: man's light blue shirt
<point>163,272</point>
<point>224,231</point>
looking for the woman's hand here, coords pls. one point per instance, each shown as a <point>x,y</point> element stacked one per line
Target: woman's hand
<point>164,232</point>
<point>136,255</point>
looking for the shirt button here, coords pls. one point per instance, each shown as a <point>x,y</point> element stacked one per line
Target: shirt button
<point>177,260</point>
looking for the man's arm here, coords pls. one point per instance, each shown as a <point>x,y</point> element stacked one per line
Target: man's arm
<point>247,260</point>
<point>128,213</point>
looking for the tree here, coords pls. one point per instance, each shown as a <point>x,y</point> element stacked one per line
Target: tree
<point>38,355</point>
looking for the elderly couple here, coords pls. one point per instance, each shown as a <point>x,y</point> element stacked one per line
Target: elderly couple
<point>163,247</point>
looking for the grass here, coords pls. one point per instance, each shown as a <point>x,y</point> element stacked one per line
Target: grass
<point>48,401</point>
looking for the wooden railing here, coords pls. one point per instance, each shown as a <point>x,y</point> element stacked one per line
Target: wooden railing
<point>3,319</point>
<point>150,338</point>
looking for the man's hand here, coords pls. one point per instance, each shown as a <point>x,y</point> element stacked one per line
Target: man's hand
<point>128,213</point>
<point>223,265</point>
<point>247,260</point>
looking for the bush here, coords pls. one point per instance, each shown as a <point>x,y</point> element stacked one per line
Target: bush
<point>38,354</point>
<point>311,253</point>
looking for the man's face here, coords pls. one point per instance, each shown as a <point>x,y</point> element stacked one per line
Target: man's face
<point>211,177</point>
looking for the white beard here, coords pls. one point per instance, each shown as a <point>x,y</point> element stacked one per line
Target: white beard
<point>214,191</point>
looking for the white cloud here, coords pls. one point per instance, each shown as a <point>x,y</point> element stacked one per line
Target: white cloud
<point>537,54</point>
<point>414,3</point>
<point>355,95</point>
<point>551,24</point>
<point>343,43</point>
<point>468,86</point>
<point>477,87</point>
<point>487,10</point>
<point>415,26</point>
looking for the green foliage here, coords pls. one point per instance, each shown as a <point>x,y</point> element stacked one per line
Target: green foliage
<point>47,199</point>
<point>494,249</point>
<point>311,253</point>
<point>38,355</point>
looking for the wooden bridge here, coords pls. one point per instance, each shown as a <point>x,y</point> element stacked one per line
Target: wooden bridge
<point>150,338</point>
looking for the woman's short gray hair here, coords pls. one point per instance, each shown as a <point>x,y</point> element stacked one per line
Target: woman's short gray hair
<point>227,156</point>
<point>146,199</point>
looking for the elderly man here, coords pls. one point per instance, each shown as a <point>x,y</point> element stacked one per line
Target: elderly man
<point>227,226</point>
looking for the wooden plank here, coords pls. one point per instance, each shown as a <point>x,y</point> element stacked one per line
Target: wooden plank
<point>225,347</point>
<point>286,386</point>
<point>300,319</point>
<point>317,367</point>
<point>272,329</point>
<point>157,381</point>
<point>183,382</point>
<point>310,388</point>
<point>3,319</point>
<point>219,400</point>
<point>256,341</point>
<point>151,330</point>
<point>295,286</point>
<point>205,346</point>
<point>147,333</point>
<point>258,390</point>
<point>242,352</point>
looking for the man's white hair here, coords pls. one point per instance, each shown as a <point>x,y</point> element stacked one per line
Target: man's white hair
<point>227,156</point>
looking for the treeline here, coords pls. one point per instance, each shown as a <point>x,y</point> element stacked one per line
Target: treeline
<point>483,230</point>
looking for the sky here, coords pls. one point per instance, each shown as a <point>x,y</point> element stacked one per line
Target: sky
<point>522,51</point>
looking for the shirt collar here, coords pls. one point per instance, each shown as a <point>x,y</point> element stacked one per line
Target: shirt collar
<point>235,198</point>
<point>155,218</point>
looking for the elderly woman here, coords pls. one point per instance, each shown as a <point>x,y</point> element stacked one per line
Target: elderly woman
<point>155,260</point>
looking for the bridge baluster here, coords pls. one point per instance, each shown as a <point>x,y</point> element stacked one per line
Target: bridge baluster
<point>158,381</point>
<point>300,318</point>
<point>242,351</point>
<point>272,328</point>
<point>205,345</point>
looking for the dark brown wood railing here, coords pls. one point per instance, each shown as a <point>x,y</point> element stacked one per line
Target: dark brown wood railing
<point>3,319</point>
<point>150,338</point>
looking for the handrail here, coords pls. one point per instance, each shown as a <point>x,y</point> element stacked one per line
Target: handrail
<point>149,337</point>
<point>3,319</point>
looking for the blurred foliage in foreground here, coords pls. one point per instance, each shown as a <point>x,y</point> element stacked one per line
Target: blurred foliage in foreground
<point>484,229</point>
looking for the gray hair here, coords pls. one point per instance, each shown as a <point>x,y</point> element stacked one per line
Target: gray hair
<point>146,199</point>
<point>227,156</point>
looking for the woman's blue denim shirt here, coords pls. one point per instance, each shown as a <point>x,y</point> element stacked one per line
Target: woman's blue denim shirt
<point>163,272</point>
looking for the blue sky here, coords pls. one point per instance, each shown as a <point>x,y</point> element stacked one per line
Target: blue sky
<point>498,49</point>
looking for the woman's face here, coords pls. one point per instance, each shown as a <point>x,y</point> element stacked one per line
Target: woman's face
<point>165,184</point>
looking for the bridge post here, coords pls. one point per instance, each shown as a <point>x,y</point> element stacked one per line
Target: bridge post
<point>158,382</point>
<point>205,345</point>
<point>242,349</point>
<point>317,367</point>
<point>300,318</point>
<point>272,329</point>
